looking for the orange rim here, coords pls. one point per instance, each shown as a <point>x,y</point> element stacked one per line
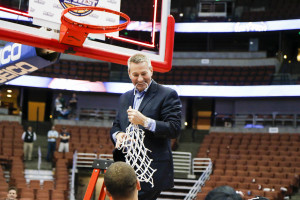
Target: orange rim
<point>88,28</point>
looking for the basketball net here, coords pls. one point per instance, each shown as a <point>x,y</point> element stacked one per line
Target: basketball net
<point>136,153</point>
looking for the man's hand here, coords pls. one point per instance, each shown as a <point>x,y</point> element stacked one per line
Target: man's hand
<point>120,136</point>
<point>135,117</point>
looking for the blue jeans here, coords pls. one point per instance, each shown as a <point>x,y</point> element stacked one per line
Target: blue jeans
<point>51,149</point>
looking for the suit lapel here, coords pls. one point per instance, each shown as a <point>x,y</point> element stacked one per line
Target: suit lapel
<point>131,99</point>
<point>129,103</point>
<point>149,95</point>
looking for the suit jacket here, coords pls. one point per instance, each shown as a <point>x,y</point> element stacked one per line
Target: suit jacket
<point>163,105</point>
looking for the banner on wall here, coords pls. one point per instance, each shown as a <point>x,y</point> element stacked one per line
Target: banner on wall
<point>18,59</point>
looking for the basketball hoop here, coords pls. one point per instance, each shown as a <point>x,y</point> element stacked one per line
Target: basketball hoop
<point>75,33</point>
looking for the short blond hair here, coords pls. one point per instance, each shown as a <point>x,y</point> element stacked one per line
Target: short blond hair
<point>139,58</point>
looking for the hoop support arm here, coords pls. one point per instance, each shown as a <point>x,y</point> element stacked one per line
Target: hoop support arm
<point>167,64</point>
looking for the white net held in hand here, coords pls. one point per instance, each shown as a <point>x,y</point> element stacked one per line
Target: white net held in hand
<point>136,153</point>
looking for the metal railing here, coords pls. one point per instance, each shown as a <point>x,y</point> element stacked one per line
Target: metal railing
<point>202,179</point>
<point>106,156</point>
<point>182,162</point>
<point>85,159</point>
<point>72,190</point>
<point>200,164</point>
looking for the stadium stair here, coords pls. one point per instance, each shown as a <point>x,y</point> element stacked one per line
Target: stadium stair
<point>179,191</point>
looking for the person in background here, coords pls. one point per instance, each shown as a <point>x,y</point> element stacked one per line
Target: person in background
<point>121,182</point>
<point>52,136</point>
<point>64,140</point>
<point>73,106</point>
<point>28,137</point>
<point>59,105</point>
<point>223,193</point>
<point>12,193</point>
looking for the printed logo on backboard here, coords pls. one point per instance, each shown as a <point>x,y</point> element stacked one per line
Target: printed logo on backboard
<point>72,3</point>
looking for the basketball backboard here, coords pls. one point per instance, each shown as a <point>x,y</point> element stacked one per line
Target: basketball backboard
<point>150,31</point>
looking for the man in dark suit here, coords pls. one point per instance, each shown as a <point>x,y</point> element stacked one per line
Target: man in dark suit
<point>157,110</point>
